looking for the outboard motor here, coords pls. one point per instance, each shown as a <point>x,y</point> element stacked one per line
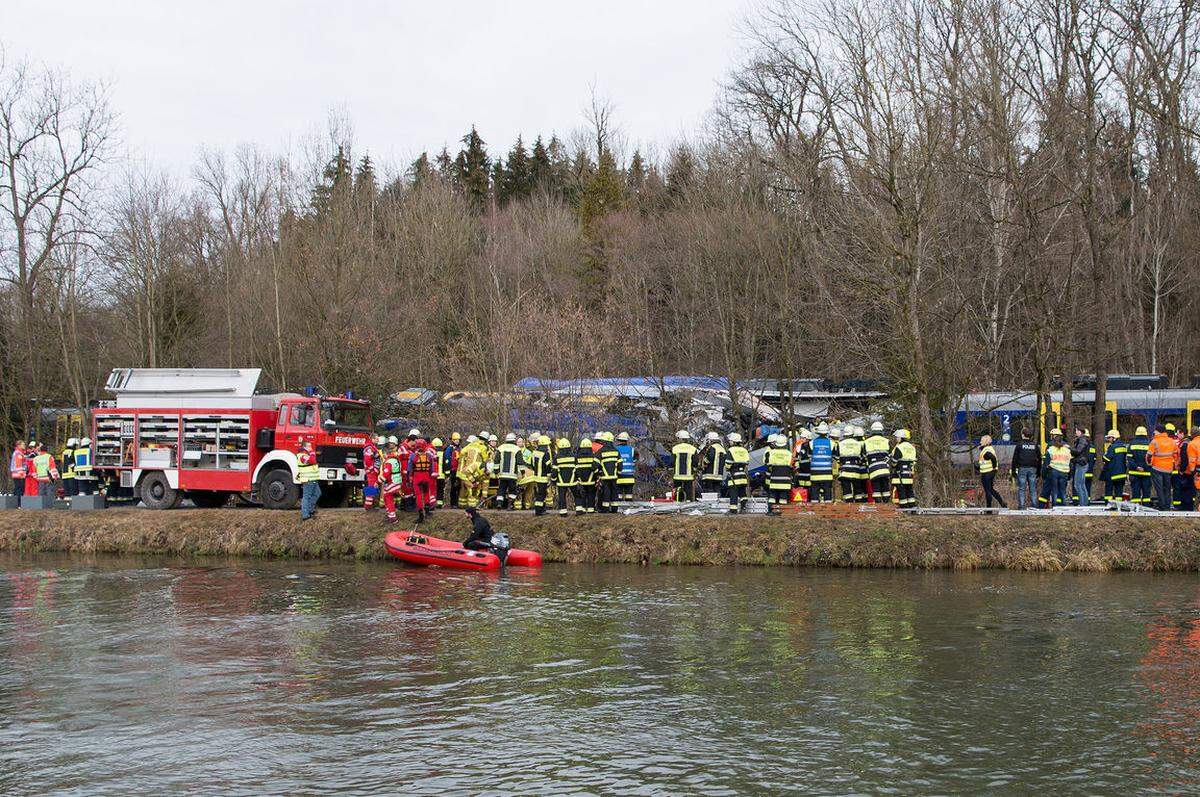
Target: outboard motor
<point>500,545</point>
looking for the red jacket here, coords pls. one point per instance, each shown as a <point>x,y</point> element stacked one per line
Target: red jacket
<point>370,457</point>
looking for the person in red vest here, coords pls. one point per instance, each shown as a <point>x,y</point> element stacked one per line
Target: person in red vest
<point>371,457</point>
<point>391,476</point>
<point>420,470</point>
<point>17,466</point>
<point>31,482</point>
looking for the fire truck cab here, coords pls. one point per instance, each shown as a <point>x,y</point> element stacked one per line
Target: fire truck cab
<point>204,434</point>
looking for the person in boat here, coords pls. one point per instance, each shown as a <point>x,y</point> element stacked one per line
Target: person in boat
<point>481,532</point>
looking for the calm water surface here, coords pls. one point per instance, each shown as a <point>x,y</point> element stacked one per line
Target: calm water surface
<point>142,676</point>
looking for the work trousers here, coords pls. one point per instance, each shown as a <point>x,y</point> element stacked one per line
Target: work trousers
<point>988,480</point>
<point>310,493</point>
<point>625,489</point>
<point>849,494</point>
<point>905,496</point>
<point>1079,484</point>
<point>737,494</point>
<point>608,495</point>
<point>778,498</point>
<point>1162,489</point>
<point>424,491</point>
<point>881,490</point>
<point>506,492</point>
<point>1185,493</point>
<point>708,484</point>
<point>1026,487</point>
<point>1057,482</point>
<point>84,485</point>
<point>585,498</point>
<point>441,492</point>
<point>685,490</point>
<point>821,492</point>
<point>47,489</point>
<point>563,492</point>
<point>370,490</point>
<point>1139,489</point>
<point>1114,488</point>
<point>390,493</point>
<point>539,498</point>
<point>31,486</point>
<point>70,486</point>
<point>455,485</point>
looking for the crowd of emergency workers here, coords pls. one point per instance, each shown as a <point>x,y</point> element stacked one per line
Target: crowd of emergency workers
<point>597,474</point>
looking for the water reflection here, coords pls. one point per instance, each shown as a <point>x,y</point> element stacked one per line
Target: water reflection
<point>121,676</point>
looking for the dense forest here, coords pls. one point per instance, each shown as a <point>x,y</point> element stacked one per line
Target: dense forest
<point>943,196</point>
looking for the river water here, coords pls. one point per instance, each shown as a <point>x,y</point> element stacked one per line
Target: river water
<point>145,676</point>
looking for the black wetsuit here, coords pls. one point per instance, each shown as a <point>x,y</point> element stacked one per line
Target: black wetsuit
<point>481,534</point>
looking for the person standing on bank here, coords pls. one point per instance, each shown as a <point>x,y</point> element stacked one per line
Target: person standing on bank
<point>1163,454</point>
<point>1080,465</point>
<point>987,465</point>
<point>1027,458</point>
<point>308,475</point>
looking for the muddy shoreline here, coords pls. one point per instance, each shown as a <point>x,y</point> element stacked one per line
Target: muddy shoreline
<point>1032,543</point>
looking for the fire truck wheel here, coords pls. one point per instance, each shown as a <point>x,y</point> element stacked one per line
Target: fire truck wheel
<point>157,493</point>
<point>208,499</point>
<point>278,491</point>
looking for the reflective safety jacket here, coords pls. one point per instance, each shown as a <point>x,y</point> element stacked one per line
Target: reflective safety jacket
<point>83,462</point>
<point>539,465</point>
<point>875,451</point>
<point>1058,458</point>
<point>450,460</point>
<point>390,473</point>
<point>470,462</point>
<point>683,457</point>
<point>564,468</point>
<point>628,471</point>
<point>307,470</point>
<point>16,465</point>
<point>803,464</point>
<point>370,457</point>
<point>68,463</point>
<point>508,461</point>
<point>821,463</point>
<point>422,461</point>
<point>850,461</point>
<point>1116,461</point>
<point>986,461</point>
<point>739,464</point>
<point>1139,465</point>
<point>779,469</point>
<point>1163,453</point>
<point>585,466</point>
<point>715,457</point>
<point>44,469</point>
<point>610,462</point>
<point>904,462</point>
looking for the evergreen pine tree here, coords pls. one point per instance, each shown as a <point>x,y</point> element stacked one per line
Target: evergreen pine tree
<point>472,172</point>
<point>635,179</point>
<point>540,172</point>
<point>334,178</point>
<point>364,179</point>
<point>499,178</point>
<point>517,180</point>
<point>681,170</point>
<point>445,166</point>
<point>421,171</point>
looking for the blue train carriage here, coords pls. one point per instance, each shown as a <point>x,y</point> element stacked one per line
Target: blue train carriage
<point>1004,414</point>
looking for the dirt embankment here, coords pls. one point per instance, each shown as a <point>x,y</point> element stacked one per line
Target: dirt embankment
<point>1036,542</point>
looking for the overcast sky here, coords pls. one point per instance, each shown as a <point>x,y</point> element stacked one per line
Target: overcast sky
<point>410,74</point>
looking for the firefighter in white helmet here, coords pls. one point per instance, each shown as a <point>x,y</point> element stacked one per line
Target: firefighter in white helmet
<point>875,453</point>
<point>683,461</point>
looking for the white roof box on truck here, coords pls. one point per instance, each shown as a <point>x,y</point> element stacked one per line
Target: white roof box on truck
<point>202,388</point>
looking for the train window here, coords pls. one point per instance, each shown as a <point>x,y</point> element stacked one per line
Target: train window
<point>1176,418</point>
<point>1127,422</point>
<point>979,424</point>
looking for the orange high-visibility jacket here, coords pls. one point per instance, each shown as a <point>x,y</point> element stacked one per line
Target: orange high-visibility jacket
<point>1164,452</point>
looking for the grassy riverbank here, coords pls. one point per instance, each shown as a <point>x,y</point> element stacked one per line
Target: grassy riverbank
<point>1038,542</point>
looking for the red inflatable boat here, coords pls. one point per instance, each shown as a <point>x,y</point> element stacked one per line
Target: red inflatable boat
<point>420,549</point>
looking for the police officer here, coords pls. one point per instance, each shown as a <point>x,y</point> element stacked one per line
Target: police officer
<point>627,475</point>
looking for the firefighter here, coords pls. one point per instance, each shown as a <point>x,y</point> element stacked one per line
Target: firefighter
<point>67,463</point>
<point>1180,481</point>
<point>683,467</point>
<point>421,470</point>
<point>371,455</point>
<point>564,474</point>
<point>491,487</point>
<point>467,470</point>
<point>875,452</point>
<point>779,474</point>
<point>83,467</point>
<point>17,467</point>
<point>436,447</point>
<point>507,467</point>
<point>835,439</point>
<point>525,482</point>
<point>904,468</point>
<point>713,465</point>
<point>627,476</point>
<point>1114,469</point>
<point>803,468</point>
<point>821,465</point>
<point>391,476</point>
<point>849,454</point>
<point>585,478</point>
<point>739,477</point>
<point>308,475</point>
<point>1139,467</point>
<point>540,463</point>
<point>450,470</point>
<point>609,460</point>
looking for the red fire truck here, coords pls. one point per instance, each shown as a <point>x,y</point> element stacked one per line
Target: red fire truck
<point>204,434</point>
